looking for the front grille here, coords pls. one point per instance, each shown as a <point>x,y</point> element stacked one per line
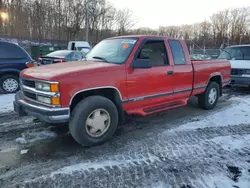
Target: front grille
<point>237,72</point>
<point>29,95</point>
<point>28,83</point>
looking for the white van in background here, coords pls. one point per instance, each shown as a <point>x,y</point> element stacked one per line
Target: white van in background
<point>239,56</point>
<point>82,46</point>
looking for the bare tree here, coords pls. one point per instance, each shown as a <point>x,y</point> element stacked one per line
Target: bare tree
<point>145,31</point>
<point>220,25</point>
<point>64,20</point>
<point>239,23</point>
<point>124,21</point>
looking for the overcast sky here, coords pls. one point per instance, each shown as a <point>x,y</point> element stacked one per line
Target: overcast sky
<point>153,13</point>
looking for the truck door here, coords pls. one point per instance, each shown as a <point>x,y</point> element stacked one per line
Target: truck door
<point>182,69</point>
<point>150,86</point>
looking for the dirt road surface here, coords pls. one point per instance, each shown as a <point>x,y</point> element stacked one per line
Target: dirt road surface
<point>181,148</point>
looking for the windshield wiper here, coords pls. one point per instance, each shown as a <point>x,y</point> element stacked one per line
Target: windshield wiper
<point>101,58</point>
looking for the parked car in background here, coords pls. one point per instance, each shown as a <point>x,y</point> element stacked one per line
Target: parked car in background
<point>239,57</point>
<point>199,56</point>
<point>60,56</point>
<point>79,46</point>
<point>82,46</point>
<point>13,59</point>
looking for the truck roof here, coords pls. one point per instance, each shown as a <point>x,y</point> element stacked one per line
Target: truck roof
<point>144,36</point>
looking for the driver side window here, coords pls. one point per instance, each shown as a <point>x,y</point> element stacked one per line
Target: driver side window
<point>155,52</point>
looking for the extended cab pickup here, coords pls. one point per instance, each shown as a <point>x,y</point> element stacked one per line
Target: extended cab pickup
<point>123,75</point>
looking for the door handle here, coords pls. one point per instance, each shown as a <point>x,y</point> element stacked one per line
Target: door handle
<point>170,73</point>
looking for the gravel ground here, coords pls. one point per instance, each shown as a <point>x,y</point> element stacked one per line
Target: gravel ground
<point>182,148</point>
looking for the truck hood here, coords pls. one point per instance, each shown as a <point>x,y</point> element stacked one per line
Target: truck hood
<point>54,71</point>
<point>240,64</point>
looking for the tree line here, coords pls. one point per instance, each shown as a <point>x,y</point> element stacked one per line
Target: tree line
<point>228,27</point>
<point>65,20</point>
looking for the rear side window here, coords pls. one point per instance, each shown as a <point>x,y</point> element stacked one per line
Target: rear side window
<point>177,52</point>
<point>11,51</point>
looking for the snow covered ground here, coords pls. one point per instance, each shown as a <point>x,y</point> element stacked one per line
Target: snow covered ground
<point>237,113</point>
<point>30,137</point>
<point>6,103</point>
<point>182,148</point>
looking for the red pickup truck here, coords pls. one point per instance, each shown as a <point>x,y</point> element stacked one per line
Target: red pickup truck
<point>122,75</point>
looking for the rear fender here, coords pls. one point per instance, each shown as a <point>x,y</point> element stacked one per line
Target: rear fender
<point>216,77</point>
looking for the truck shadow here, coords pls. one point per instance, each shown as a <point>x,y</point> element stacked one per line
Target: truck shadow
<point>135,129</point>
<point>236,91</point>
<point>63,145</point>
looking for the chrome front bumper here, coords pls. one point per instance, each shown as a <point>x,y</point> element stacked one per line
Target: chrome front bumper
<point>50,115</point>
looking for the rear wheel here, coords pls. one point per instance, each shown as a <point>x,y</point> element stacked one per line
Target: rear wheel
<point>209,98</point>
<point>94,121</point>
<point>9,83</point>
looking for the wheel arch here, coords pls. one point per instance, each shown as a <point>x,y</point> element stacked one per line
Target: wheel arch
<point>112,93</point>
<point>218,79</point>
<point>9,71</point>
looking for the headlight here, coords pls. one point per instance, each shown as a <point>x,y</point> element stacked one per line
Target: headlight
<point>42,86</point>
<point>45,100</point>
<point>48,100</point>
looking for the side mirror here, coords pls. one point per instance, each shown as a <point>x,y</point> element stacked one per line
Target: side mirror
<point>140,64</point>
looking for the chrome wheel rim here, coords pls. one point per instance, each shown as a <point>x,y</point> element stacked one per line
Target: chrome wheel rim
<point>97,123</point>
<point>10,85</point>
<point>212,96</point>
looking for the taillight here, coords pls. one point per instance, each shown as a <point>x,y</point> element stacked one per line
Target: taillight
<point>59,60</point>
<point>30,64</point>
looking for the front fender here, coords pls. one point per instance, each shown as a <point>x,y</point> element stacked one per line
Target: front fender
<point>6,71</point>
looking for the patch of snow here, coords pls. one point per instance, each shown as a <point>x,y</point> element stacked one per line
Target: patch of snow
<point>31,137</point>
<point>97,165</point>
<point>24,151</point>
<point>218,181</point>
<point>232,142</point>
<point>6,103</point>
<point>237,113</point>
<point>7,150</point>
<point>222,181</point>
<point>21,140</point>
<point>160,185</point>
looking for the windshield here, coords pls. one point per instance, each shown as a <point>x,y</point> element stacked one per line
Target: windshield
<point>236,53</point>
<point>112,50</point>
<point>60,53</point>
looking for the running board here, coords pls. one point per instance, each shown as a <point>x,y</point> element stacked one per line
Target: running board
<point>151,110</point>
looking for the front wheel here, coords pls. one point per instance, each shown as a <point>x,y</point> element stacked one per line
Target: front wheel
<point>209,98</point>
<point>9,83</point>
<point>93,121</point>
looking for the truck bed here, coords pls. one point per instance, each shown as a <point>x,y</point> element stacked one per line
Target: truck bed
<point>204,69</point>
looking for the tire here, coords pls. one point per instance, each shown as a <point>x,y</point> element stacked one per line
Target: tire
<point>12,80</point>
<point>203,99</point>
<point>83,111</point>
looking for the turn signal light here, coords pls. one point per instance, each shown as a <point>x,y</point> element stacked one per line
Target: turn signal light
<point>54,88</point>
<point>30,64</point>
<point>55,101</point>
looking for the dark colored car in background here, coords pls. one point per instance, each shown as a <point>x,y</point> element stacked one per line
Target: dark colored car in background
<point>60,56</point>
<point>13,59</point>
